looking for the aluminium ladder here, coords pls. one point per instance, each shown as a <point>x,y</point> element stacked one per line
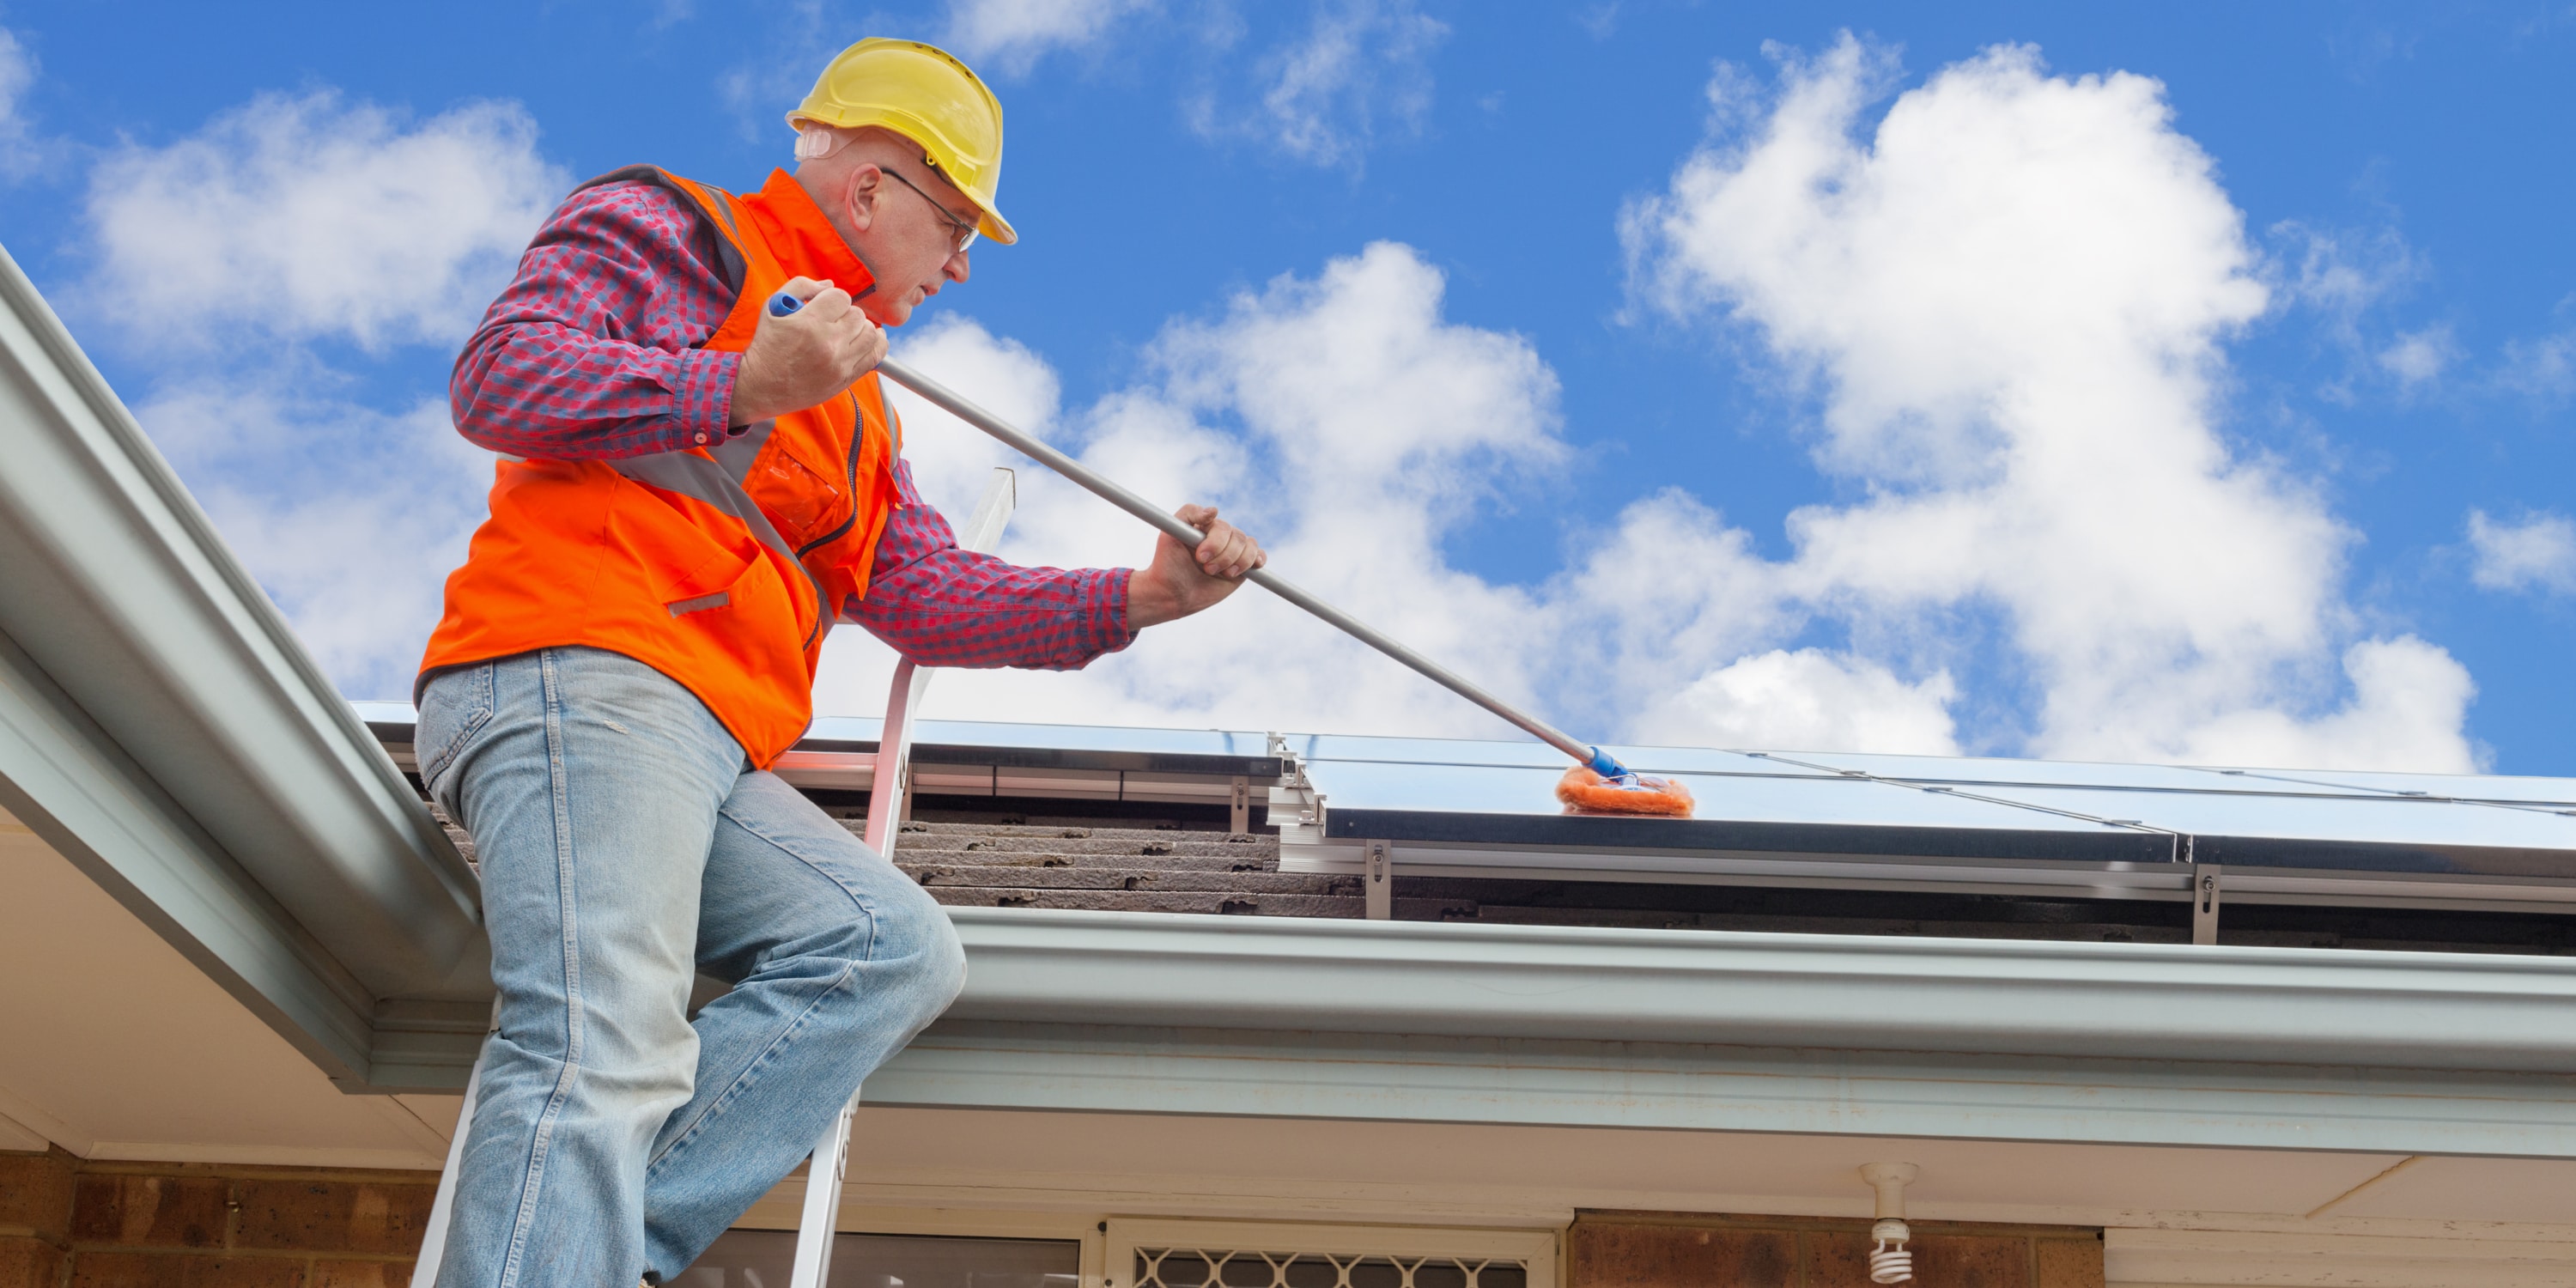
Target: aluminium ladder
<point>888,782</point>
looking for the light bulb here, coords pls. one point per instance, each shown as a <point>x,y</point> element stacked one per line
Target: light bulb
<point>1889,1262</point>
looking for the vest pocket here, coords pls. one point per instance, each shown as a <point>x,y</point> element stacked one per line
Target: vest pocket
<point>722,591</point>
<point>800,496</point>
<point>680,560</point>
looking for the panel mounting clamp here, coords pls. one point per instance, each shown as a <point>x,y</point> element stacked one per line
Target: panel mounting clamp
<point>2205,882</point>
<point>1377,875</point>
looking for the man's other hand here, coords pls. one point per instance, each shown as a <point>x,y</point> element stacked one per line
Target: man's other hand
<point>1181,581</point>
<point>806,357</point>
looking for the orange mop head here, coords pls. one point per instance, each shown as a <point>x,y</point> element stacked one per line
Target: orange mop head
<point>1586,790</point>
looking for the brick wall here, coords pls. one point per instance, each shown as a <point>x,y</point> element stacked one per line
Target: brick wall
<point>70,1223</point>
<point>1662,1250</point>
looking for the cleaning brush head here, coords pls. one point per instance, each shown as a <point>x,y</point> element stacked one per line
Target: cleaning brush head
<point>1586,790</point>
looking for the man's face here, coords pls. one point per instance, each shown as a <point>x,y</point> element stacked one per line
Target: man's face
<point>908,223</point>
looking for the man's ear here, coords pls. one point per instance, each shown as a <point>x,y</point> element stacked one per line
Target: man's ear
<point>860,194</point>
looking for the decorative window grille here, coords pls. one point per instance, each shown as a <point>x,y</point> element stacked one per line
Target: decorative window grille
<point>1219,1254</point>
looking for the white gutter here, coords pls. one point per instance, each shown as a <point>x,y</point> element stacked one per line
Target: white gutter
<point>2407,1053</point>
<point>160,726</point>
<point>2304,1006</point>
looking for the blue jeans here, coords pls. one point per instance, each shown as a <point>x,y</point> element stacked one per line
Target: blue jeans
<point>625,846</point>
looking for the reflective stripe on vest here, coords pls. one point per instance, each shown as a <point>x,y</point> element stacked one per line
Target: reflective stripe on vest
<point>698,478</point>
<point>719,482</point>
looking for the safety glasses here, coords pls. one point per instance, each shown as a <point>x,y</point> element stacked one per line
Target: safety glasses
<point>963,235</point>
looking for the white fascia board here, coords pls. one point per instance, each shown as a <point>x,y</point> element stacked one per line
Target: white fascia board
<point>1715,1031</point>
<point>164,729</point>
<point>2298,1006</point>
<point>1799,1091</point>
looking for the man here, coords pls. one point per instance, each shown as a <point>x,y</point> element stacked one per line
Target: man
<point>692,490</point>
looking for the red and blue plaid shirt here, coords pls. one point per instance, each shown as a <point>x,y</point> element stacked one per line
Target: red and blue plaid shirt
<point>590,354</point>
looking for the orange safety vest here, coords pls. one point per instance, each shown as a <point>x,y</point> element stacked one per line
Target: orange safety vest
<point>720,566</point>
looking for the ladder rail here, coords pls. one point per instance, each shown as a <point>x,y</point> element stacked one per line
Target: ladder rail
<point>827,1171</point>
<point>442,1207</point>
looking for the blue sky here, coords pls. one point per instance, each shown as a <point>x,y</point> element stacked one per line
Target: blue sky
<point>2146,382</point>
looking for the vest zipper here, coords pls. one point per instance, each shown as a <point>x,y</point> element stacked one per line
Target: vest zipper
<point>858,438</point>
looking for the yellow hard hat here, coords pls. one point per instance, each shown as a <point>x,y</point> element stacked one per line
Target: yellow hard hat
<point>924,94</point>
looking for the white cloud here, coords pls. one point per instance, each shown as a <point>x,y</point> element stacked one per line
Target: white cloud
<point>1361,69</point>
<point>289,221</point>
<point>1357,70</point>
<point>1664,596</point>
<point>1364,426</point>
<point>951,460</point>
<point>2418,358</point>
<point>2542,370</point>
<point>1808,700</point>
<point>2345,272</point>
<point>2351,280</point>
<point>2010,298</point>
<point>1016,33</point>
<point>314,216</point>
<point>19,151</point>
<point>2538,553</point>
<point>2409,701</point>
<point>350,518</point>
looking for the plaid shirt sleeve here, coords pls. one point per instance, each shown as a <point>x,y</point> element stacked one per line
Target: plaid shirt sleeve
<point>588,353</point>
<point>942,606</point>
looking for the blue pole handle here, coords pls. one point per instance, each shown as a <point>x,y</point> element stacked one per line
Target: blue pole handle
<point>1602,764</point>
<point>782,304</point>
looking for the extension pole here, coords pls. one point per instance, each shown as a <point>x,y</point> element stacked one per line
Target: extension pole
<point>1109,490</point>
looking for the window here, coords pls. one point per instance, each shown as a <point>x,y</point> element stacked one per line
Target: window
<point>1229,1254</point>
<point>1234,1268</point>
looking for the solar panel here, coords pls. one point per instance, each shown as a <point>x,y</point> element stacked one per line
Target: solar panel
<point>1946,823</point>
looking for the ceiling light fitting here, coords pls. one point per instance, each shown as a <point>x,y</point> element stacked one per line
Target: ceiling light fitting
<point>1889,1262</point>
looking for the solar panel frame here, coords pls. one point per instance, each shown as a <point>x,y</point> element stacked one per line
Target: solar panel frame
<point>2114,831</point>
